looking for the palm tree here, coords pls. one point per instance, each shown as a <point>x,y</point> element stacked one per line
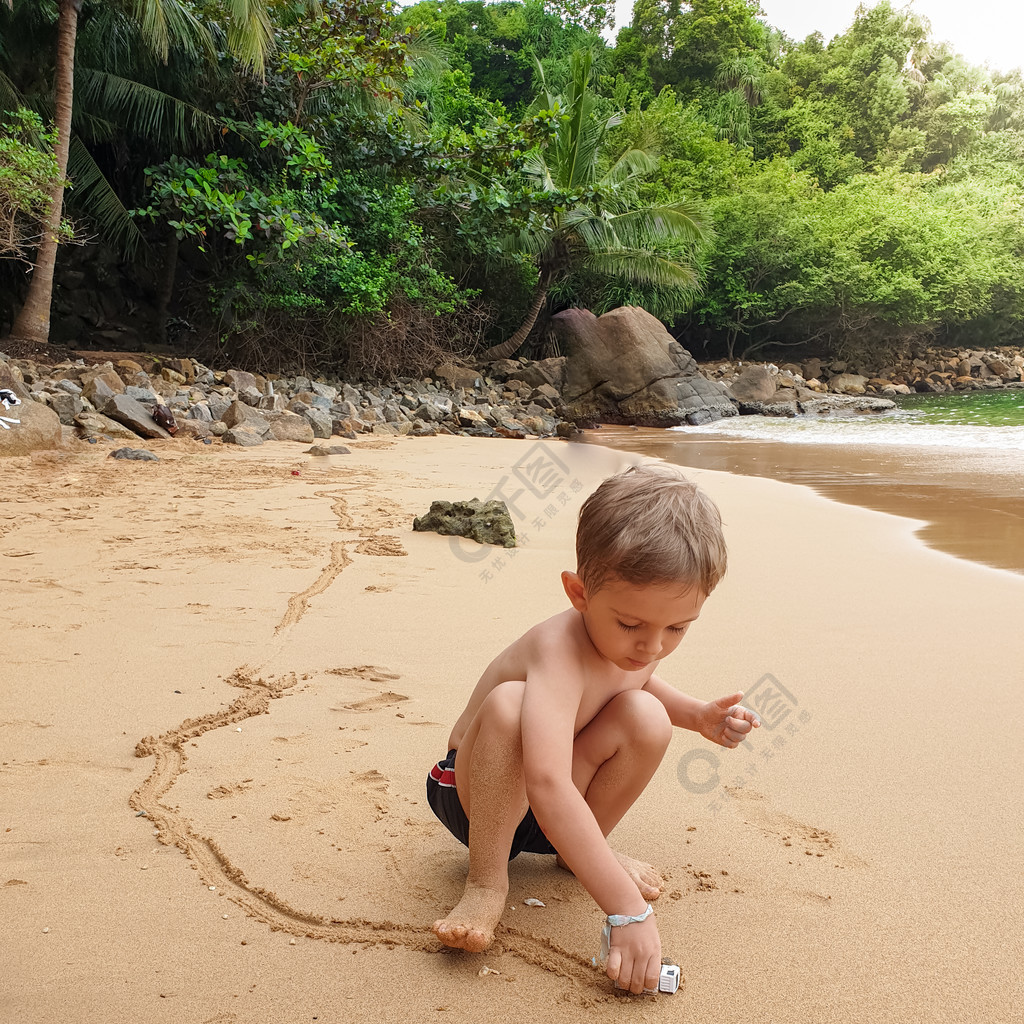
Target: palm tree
<point>596,222</point>
<point>160,23</point>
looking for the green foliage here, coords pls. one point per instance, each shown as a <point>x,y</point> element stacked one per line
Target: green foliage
<point>390,168</point>
<point>28,176</point>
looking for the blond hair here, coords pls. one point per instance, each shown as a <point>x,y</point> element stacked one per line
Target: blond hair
<point>650,525</point>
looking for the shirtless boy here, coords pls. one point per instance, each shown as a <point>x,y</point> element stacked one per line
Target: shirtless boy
<point>567,725</point>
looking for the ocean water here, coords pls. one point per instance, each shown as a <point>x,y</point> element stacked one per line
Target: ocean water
<point>954,462</point>
<point>983,422</point>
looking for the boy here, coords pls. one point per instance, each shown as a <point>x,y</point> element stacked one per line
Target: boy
<point>567,725</point>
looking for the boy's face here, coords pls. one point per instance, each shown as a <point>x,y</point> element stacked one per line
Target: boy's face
<point>634,625</point>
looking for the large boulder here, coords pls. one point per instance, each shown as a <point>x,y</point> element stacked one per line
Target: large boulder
<point>37,428</point>
<point>754,384</point>
<point>624,367</point>
<point>134,415</point>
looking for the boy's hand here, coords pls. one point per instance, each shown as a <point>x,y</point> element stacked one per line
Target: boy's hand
<point>634,960</point>
<point>726,722</point>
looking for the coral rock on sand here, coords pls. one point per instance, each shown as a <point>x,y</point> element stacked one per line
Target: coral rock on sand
<point>486,523</point>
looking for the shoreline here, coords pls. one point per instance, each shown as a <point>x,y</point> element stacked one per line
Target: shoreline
<point>971,509</point>
<point>162,593</point>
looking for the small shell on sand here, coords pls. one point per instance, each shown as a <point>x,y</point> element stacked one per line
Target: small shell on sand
<point>484,971</point>
<point>531,902</point>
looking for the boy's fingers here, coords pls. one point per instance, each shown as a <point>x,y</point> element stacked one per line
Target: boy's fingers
<point>614,964</point>
<point>726,703</point>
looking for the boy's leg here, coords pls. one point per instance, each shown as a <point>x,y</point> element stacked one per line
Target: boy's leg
<point>490,784</point>
<point>614,757</point>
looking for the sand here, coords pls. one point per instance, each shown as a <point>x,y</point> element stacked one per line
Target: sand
<point>222,685</point>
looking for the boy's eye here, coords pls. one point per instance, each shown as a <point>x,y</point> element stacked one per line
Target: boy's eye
<point>628,629</point>
<point>678,629</point>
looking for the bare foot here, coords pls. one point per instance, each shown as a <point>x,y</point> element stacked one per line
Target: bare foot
<point>647,878</point>
<point>471,923</point>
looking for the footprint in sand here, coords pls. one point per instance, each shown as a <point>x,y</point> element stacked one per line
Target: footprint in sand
<point>375,786</point>
<point>371,673</point>
<point>378,702</point>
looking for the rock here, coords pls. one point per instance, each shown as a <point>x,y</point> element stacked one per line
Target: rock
<point>139,454</point>
<point>69,387</point>
<point>469,418</point>
<point>195,429</point>
<point>139,394</point>
<point>243,435</point>
<point>996,366</point>
<point>457,376</point>
<point>324,391</point>
<point>755,384</point>
<point>98,392</point>
<point>320,422</point>
<point>287,426</point>
<point>95,423</point>
<point>37,429</point>
<point>250,395</point>
<point>66,406</point>
<point>964,368</point>
<point>848,384</point>
<point>422,429</point>
<point>218,428</point>
<point>219,405</point>
<point>486,523</point>
<point>545,371</point>
<point>827,405</point>
<point>238,414</point>
<point>105,373</point>
<point>134,415</point>
<point>333,449</point>
<point>811,369</point>
<point>502,369</point>
<point>272,403</point>
<point>239,379</point>
<point>624,367</point>
<point>200,411</point>
<point>172,376</point>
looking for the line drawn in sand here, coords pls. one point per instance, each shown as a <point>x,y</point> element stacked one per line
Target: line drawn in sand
<point>216,869</point>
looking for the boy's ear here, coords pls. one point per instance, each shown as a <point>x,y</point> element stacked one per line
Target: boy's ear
<point>575,591</point>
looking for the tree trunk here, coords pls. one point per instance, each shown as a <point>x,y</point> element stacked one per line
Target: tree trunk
<point>32,325</point>
<point>513,344</point>
<point>166,289</point>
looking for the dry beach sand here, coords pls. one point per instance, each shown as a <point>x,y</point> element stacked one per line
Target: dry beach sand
<point>266,665</point>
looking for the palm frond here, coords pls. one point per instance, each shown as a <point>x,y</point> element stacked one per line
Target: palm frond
<point>250,33</point>
<point>536,168</point>
<point>589,229</point>
<point>631,164</point>
<point>676,222</point>
<point>10,97</point>
<point>143,110</point>
<point>643,267</point>
<point>164,23</point>
<point>93,195</point>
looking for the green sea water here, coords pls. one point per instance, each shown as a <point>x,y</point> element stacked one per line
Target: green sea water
<point>988,408</point>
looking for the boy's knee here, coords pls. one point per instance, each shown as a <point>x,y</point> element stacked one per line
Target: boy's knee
<point>646,718</point>
<point>503,706</point>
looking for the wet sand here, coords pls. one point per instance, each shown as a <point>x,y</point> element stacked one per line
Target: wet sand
<point>968,504</point>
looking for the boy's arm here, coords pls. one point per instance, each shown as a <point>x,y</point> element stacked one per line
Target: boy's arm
<point>550,706</point>
<point>722,721</point>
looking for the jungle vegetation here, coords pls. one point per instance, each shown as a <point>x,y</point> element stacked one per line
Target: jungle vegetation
<point>346,183</point>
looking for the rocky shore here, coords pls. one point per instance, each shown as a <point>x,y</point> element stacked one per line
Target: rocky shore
<point>656,383</point>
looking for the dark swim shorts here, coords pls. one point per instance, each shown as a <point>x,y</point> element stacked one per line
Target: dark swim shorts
<point>444,802</point>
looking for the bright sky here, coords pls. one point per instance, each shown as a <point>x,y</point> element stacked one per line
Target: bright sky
<point>984,31</point>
